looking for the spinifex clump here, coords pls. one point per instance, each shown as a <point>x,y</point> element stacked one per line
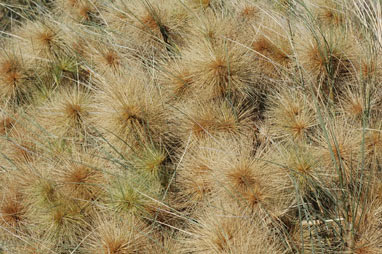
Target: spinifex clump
<point>190,126</point>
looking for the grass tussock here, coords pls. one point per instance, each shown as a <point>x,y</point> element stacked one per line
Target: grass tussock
<point>195,126</point>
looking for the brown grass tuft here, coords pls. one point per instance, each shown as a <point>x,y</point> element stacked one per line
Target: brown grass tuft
<point>290,115</point>
<point>81,176</point>
<point>219,70</point>
<point>14,77</point>
<point>12,209</point>
<point>117,235</point>
<point>67,114</point>
<point>131,110</point>
<point>225,230</point>
<point>205,120</point>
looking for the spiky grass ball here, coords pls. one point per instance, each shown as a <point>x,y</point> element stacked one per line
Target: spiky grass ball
<point>341,152</point>
<point>40,40</point>
<point>330,13</point>
<point>272,49</point>
<point>67,114</point>
<point>40,246</point>
<point>202,120</point>
<point>195,175</point>
<point>358,103</point>
<point>12,208</point>
<point>290,115</point>
<point>131,112</point>
<point>63,224</point>
<point>58,220</point>
<point>175,78</point>
<point>247,177</point>
<point>118,235</point>
<point>219,70</point>
<point>226,169</point>
<point>215,30</point>
<point>42,192</point>
<point>272,57</point>
<point>249,11</point>
<point>154,28</point>
<point>149,161</point>
<point>106,58</point>
<point>221,230</point>
<point>368,67</point>
<point>8,120</point>
<point>15,77</point>
<point>373,145</point>
<point>327,59</point>
<point>200,3</point>
<point>368,238</point>
<point>130,194</point>
<point>311,236</point>
<point>81,176</point>
<point>78,10</point>
<point>303,166</point>
<point>21,148</point>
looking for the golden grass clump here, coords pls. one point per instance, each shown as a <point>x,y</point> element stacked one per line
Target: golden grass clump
<point>311,237</point>
<point>373,146</point>
<point>343,149</point>
<point>219,70</point>
<point>56,220</point>
<point>16,79</point>
<point>130,110</point>
<point>368,238</point>
<point>67,114</point>
<point>200,3</point>
<point>271,57</point>
<point>206,120</point>
<point>249,11</point>
<point>196,176</point>
<point>81,176</point>
<point>118,235</point>
<point>20,149</point>
<point>328,58</point>
<point>78,10</point>
<point>41,40</point>
<point>190,126</point>
<point>42,191</point>
<point>21,247</point>
<point>132,193</point>
<point>63,224</point>
<point>330,13</point>
<point>153,27</point>
<point>149,161</point>
<point>175,79</point>
<point>12,209</point>
<point>357,103</point>
<point>290,115</point>
<point>272,49</point>
<point>8,120</point>
<point>106,58</point>
<point>250,178</point>
<point>231,171</point>
<point>303,166</point>
<point>215,30</point>
<point>225,230</point>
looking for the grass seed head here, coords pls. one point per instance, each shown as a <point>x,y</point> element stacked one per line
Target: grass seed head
<point>206,120</point>
<point>15,77</point>
<point>290,115</point>
<point>67,113</point>
<point>219,70</point>
<point>221,230</point>
<point>131,111</point>
<point>116,235</point>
